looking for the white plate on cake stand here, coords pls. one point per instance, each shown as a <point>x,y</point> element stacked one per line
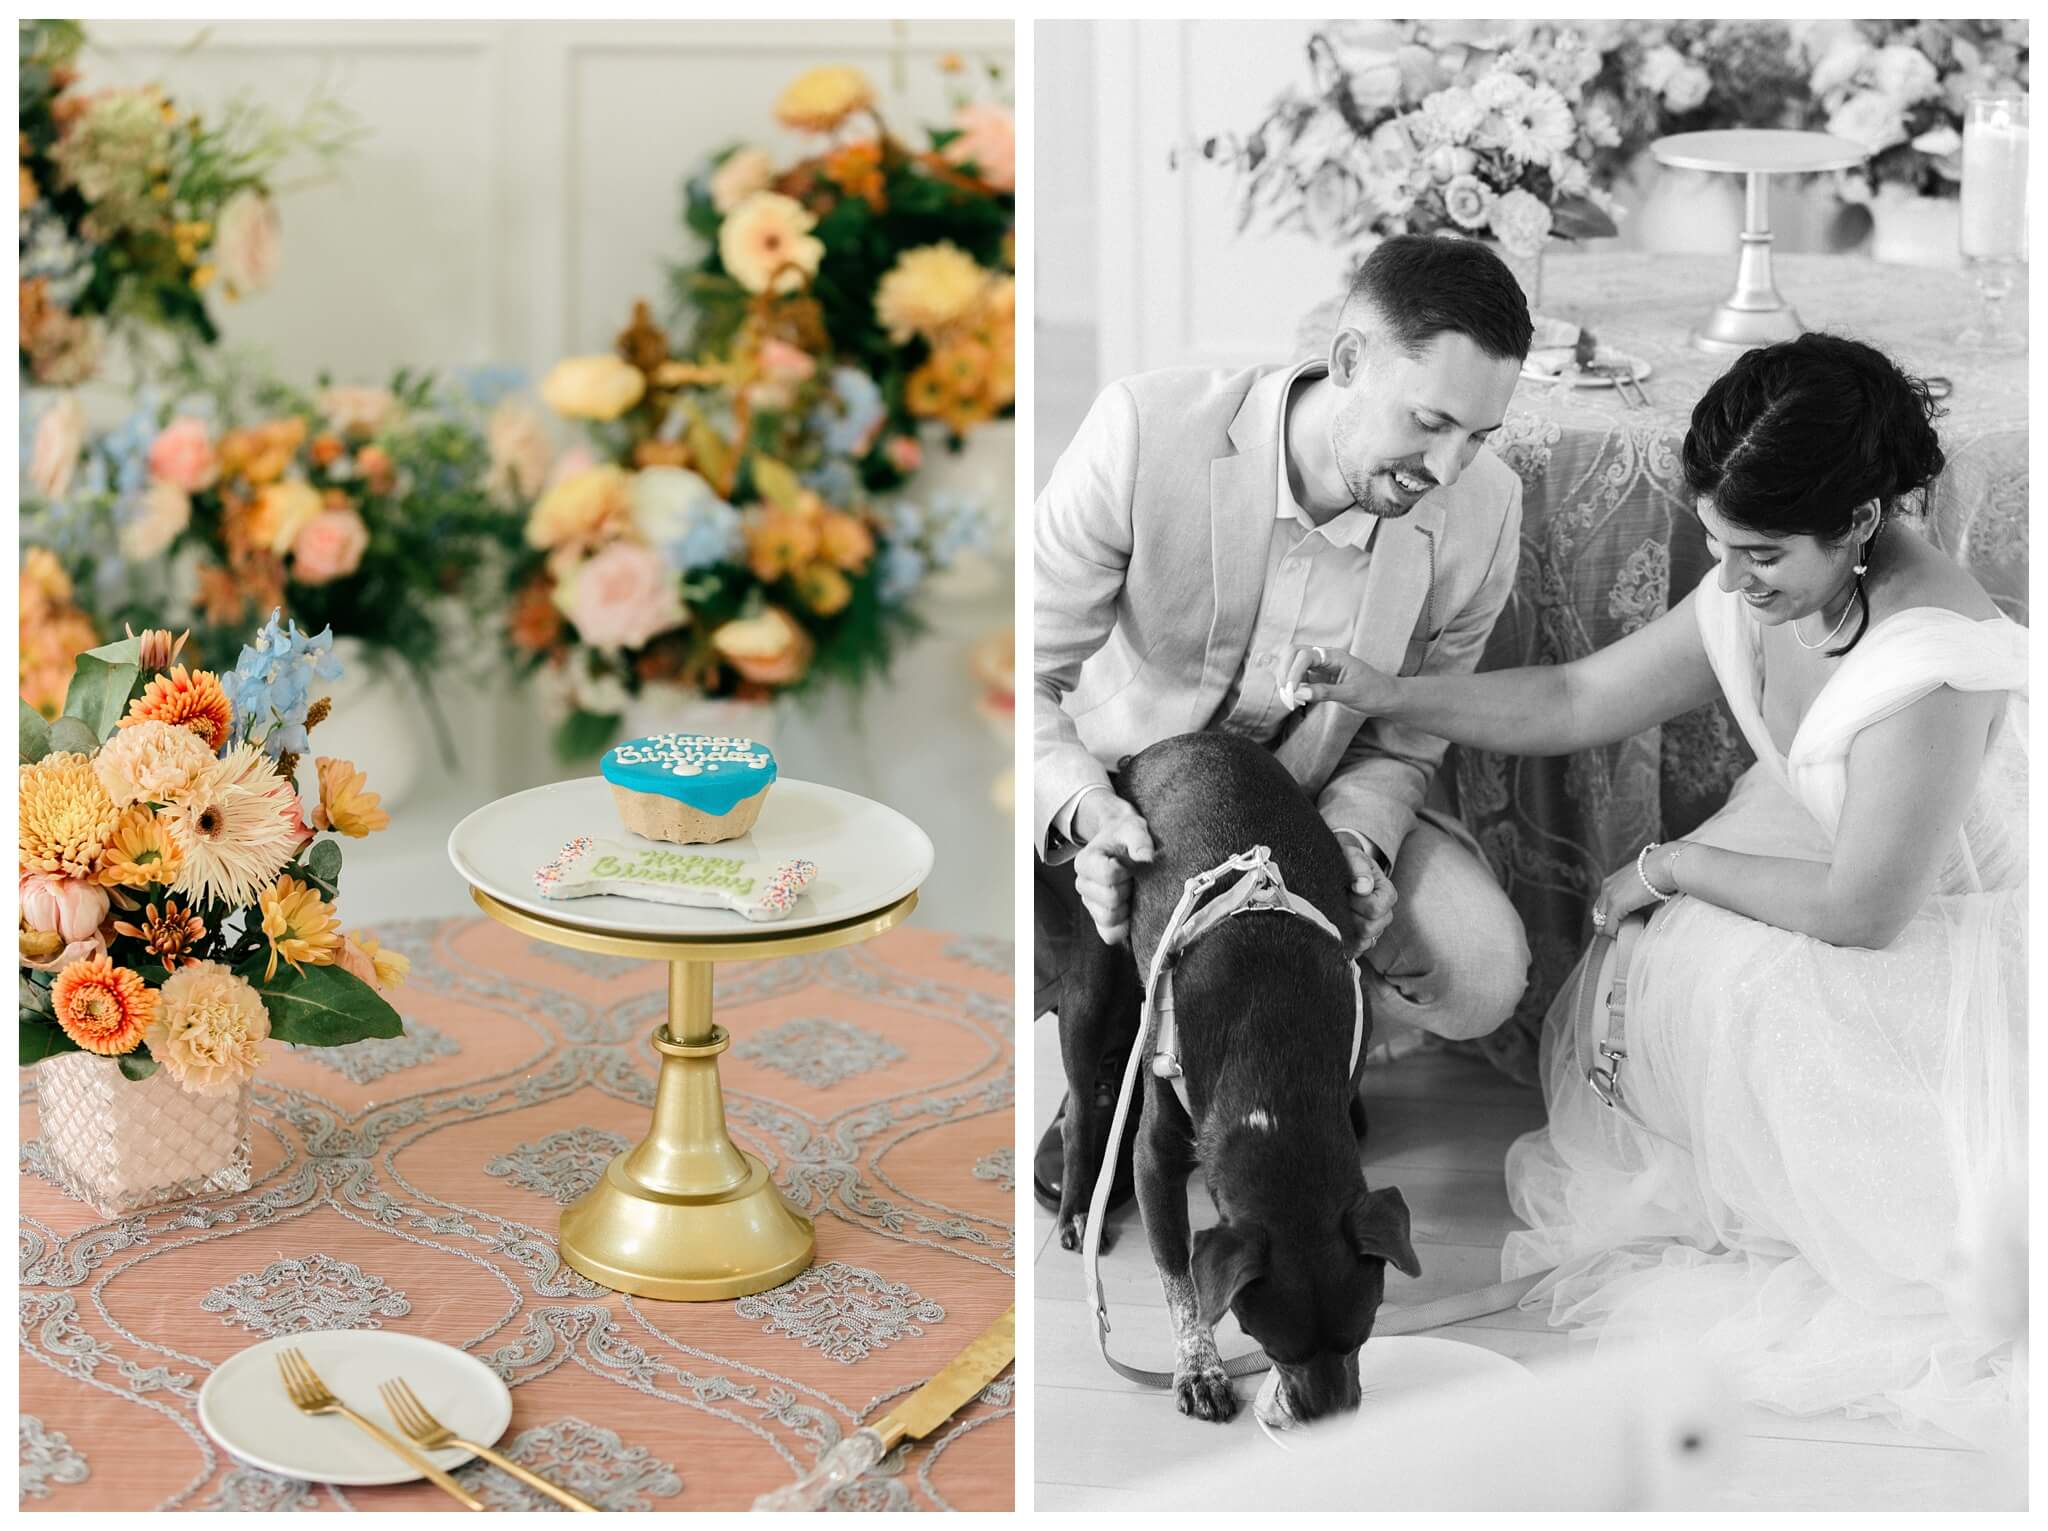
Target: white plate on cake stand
<point>243,1405</point>
<point>868,856</point>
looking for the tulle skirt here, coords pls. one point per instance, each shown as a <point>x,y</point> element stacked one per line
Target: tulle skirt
<point>1854,1123</point>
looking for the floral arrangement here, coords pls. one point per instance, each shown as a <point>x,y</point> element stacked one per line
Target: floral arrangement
<point>134,214</point>
<point>1899,88</point>
<point>717,533</point>
<point>1483,129</point>
<point>1663,77</point>
<point>906,256</point>
<point>358,509</point>
<point>178,908</point>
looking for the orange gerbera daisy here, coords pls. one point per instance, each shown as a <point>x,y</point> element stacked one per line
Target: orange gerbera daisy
<point>344,806</point>
<point>104,1009</point>
<point>187,699</point>
<point>139,852</point>
<point>169,933</point>
<point>300,924</point>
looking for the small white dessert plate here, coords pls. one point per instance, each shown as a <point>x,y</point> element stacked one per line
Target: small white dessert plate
<point>868,856</point>
<point>1556,366</point>
<point>244,1406</point>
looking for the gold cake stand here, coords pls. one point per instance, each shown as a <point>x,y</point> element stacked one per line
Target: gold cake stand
<point>687,1215</point>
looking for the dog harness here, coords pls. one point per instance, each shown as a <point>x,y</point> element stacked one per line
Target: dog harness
<point>1259,887</point>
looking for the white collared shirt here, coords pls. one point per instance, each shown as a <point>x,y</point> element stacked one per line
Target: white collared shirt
<point>1314,577</point>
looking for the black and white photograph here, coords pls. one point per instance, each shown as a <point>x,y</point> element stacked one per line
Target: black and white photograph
<point>1529,765</point>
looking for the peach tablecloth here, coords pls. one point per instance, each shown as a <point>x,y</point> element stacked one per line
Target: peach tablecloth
<point>414,1185</point>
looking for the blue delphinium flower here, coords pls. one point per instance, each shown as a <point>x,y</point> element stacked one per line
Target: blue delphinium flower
<point>677,512</point>
<point>835,481</point>
<point>849,429</point>
<point>955,526</point>
<point>489,384</point>
<point>903,569</point>
<point>270,687</point>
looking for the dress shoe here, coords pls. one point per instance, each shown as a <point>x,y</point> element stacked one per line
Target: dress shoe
<point>1048,1164</point>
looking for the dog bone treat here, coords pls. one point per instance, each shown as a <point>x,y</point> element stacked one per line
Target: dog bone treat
<point>744,884</point>
<point>692,789</point>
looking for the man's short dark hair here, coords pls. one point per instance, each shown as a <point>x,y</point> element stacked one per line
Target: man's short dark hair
<point>1421,285</point>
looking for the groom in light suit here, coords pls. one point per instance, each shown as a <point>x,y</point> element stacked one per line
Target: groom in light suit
<point>1202,524</point>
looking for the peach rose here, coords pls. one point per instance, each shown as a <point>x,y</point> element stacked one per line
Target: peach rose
<point>329,547</point>
<point>166,511</point>
<point>282,511</point>
<point>68,906</point>
<point>622,597</point>
<point>182,454</point>
<point>60,435</point>
<point>745,171</point>
<point>592,387</point>
<point>769,650</point>
<point>988,141</point>
<point>364,411</point>
<point>245,243</point>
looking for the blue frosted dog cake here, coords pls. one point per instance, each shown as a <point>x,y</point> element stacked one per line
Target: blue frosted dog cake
<point>689,788</point>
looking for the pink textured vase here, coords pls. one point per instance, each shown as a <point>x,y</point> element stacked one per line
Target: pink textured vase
<point>122,1145</point>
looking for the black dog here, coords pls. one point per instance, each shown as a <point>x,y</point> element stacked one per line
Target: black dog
<point>1265,1008</point>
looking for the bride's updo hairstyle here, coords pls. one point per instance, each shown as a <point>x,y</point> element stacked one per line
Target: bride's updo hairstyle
<point>1795,437</point>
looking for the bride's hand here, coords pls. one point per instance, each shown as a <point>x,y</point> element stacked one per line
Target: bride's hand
<point>1332,675</point>
<point>1620,896</point>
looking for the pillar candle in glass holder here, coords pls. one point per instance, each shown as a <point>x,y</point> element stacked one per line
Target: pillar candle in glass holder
<point>1994,212</point>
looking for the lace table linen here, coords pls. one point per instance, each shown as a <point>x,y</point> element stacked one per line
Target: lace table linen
<point>414,1183</point>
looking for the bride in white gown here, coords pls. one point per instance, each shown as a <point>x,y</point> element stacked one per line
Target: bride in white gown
<point>1827,1012</point>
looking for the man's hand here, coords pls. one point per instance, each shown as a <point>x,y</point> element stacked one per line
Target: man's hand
<point>1372,891</point>
<point>1115,836</point>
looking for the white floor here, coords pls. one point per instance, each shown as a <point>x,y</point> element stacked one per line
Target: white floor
<point>1439,1127</point>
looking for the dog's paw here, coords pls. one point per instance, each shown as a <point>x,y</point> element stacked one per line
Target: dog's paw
<point>1074,1229</point>
<point>1204,1394</point>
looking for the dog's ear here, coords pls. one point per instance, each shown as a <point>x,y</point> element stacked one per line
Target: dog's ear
<point>1226,1260</point>
<point>1377,1225</point>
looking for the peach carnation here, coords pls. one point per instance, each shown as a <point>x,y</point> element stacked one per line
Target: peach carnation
<point>208,1025</point>
<point>150,762</point>
<point>182,454</point>
<point>988,141</point>
<point>103,1008</point>
<point>186,699</point>
<point>66,816</point>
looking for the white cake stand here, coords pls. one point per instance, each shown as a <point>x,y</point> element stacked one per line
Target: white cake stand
<point>686,1215</point>
<point>1754,314</point>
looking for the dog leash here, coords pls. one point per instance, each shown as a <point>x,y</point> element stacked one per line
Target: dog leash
<point>1428,1315</point>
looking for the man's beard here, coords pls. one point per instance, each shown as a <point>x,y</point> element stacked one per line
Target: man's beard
<point>1365,495</point>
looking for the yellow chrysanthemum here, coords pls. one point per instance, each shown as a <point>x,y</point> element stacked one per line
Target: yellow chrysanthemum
<point>818,100</point>
<point>928,289</point>
<point>139,852</point>
<point>300,925</point>
<point>66,817</point>
<point>344,806</point>
<point>186,699</point>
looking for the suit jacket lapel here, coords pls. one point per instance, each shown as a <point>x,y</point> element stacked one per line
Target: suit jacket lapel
<point>1241,511</point>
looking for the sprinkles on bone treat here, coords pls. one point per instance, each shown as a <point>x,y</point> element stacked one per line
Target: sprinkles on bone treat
<point>788,882</point>
<point>555,870</point>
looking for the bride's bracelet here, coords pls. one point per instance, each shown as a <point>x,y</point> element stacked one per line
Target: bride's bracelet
<point>1656,892</point>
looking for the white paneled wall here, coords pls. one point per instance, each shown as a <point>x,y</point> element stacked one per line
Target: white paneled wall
<point>517,187</point>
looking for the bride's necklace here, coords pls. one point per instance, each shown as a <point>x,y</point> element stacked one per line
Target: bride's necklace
<point>1841,621</point>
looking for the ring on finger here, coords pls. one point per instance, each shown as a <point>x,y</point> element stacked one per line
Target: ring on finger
<point>1599,919</point>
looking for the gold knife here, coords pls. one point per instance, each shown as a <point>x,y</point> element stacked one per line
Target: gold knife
<point>914,1418</point>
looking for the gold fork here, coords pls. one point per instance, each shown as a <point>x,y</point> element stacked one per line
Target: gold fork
<point>412,1417</point>
<point>313,1396</point>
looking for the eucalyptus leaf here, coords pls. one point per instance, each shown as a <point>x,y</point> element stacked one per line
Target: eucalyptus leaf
<point>40,1040</point>
<point>101,683</point>
<point>321,1006</point>
<point>35,735</point>
<point>323,863</point>
<point>1581,218</point>
<point>72,735</point>
<point>136,1065</point>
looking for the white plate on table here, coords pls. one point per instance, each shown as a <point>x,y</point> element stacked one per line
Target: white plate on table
<point>1554,364</point>
<point>244,1406</point>
<point>868,856</point>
